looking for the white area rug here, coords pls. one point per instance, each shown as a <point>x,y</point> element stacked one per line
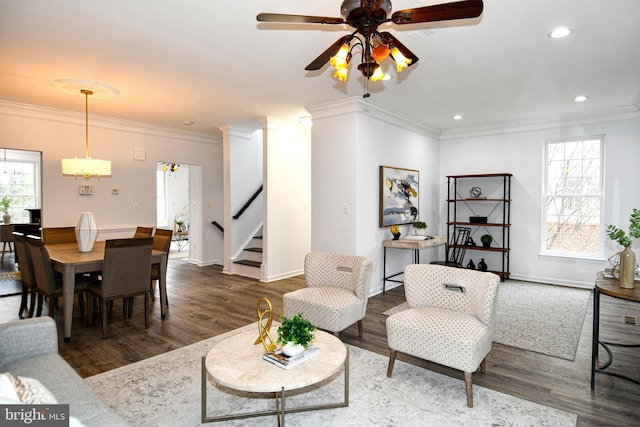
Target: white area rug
<point>165,391</point>
<point>543,318</point>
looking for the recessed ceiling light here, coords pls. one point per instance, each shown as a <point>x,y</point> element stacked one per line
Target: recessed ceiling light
<point>580,98</point>
<point>560,32</point>
<point>188,122</point>
<point>457,117</point>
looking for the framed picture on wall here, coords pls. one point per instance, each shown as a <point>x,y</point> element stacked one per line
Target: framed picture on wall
<point>399,195</point>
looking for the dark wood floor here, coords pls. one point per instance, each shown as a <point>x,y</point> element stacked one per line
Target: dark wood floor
<point>204,303</point>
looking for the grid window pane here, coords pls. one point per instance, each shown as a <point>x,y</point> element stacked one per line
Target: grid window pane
<point>573,199</point>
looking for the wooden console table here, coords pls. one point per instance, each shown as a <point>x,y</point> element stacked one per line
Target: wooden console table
<point>611,287</point>
<point>415,246</point>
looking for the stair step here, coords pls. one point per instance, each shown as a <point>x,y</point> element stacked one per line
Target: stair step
<point>248,262</point>
<point>253,249</point>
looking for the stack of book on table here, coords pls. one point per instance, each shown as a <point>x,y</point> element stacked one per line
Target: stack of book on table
<point>287,362</point>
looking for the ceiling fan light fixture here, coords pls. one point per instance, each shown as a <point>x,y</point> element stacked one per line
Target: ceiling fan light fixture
<point>402,61</point>
<point>377,75</point>
<point>380,52</point>
<point>341,59</point>
<point>342,73</point>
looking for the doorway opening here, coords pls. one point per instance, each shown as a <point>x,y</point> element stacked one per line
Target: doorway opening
<point>173,206</point>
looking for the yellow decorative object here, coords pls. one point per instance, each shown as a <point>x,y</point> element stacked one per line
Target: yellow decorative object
<point>263,328</point>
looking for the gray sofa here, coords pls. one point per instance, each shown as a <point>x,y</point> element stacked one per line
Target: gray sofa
<point>29,348</point>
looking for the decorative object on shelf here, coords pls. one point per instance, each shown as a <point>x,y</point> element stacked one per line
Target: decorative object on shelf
<point>399,195</point>
<point>6,203</point>
<point>486,240</point>
<point>86,167</point>
<point>171,167</point>
<point>627,256</point>
<point>86,232</point>
<point>475,192</point>
<point>265,327</point>
<point>470,241</point>
<point>419,227</point>
<point>395,230</point>
<point>478,219</point>
<point>482,266</point>
<point>295,334</point>
<point>471,265</point>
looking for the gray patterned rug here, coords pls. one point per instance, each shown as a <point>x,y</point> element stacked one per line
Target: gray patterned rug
<point>537,317</point>
<point>165,390</point>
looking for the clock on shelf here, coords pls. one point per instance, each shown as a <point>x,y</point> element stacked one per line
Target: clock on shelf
<point>475,192</point>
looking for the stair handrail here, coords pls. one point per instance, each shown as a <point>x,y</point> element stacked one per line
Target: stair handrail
<point>218,226</point>
<point>246,205</point>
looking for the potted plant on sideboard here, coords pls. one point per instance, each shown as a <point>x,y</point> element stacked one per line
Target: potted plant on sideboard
<point>627,256</point>
<point>295,334</point>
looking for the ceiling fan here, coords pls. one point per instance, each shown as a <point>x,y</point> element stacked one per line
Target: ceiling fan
<point>365,16</point>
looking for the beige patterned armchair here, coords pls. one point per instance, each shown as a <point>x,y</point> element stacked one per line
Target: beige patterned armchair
<point>337,291</point>
<point>450,320</point>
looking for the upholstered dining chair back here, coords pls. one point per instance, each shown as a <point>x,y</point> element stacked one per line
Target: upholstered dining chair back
<point>42,267</point>
<point>54,235</point>
<point>463,290</point>
<point>337,291</point>
<point>161,242</point>
<point>26,274</point>
<point>124,270</point>
<point>143,232</point>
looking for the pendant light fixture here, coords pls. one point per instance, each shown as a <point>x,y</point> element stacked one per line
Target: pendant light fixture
<point>86,167</point>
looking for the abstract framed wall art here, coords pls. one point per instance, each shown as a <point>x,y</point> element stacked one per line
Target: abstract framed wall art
<point>399,195</point>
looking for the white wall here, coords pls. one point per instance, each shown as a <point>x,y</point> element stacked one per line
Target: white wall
<point>61,134</point>
<point>521,152</point>
<point>287,199</point>
<point>351,139</point>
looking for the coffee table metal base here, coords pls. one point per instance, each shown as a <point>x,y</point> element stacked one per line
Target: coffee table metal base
<point>280,401</point>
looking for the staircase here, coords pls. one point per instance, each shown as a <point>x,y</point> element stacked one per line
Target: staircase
<point>250,261</point>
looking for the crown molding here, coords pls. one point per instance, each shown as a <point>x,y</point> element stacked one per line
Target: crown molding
<point>370,109</point>
<point>595,117</point>
<point>63,116</point>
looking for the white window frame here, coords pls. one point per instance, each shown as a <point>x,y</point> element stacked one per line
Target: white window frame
<point>545,185</point>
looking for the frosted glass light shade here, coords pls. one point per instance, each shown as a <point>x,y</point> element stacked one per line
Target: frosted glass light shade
<point>86,168</point>
<point>86,232</point>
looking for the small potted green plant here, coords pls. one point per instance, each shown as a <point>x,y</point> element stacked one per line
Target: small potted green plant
<point>627,258</point>
<point>419,227</point>
<point>6,203</point>
<point>486,240</point>
<point>295,334</point>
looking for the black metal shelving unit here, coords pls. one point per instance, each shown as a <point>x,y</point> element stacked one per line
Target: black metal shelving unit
<point>496,209</point>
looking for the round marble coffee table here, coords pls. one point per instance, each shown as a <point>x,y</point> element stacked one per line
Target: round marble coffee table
<point>237,363</point>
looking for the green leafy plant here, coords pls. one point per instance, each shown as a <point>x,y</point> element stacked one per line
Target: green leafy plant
<point>620,236</point>
<point>296,329</point>
<point>486,239</point>
<point>419,225</point>
<point>6,202</point>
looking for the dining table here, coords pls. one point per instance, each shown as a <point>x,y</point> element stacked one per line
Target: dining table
<point>67,259</point>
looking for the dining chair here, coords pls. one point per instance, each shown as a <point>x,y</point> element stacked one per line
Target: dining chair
<point>143,232</point>
<point>54,235</point>
<point>161,242</point>
<point>6,238</point>
<point>48,283</point>
<point>29,288</point>
<point>122,277</point>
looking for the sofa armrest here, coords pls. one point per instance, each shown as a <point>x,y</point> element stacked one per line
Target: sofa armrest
<point>22,339</point>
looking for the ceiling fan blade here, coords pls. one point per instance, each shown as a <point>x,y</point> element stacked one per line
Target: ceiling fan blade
<point>302,19</point>
<point>388,38</point>
<point>325,56</point>
<point>439,12</point>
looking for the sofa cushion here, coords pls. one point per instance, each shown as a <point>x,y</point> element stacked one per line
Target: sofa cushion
<point>67,387</point>
<point>26,390</point>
